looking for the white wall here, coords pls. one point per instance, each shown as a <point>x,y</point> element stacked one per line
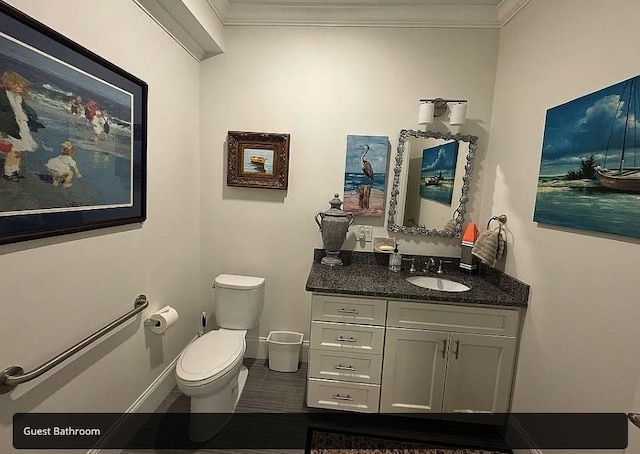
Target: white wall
<point>579,350</point>
<point>320,85</point>
<point>56,291</point>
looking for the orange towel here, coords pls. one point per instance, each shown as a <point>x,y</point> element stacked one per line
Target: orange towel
<point>470,235</point>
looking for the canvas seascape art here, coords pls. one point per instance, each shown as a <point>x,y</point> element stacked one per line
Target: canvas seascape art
<point>590,166</point>
<point>365,175</point>
<point>77,151</point>
<point>438,172</point>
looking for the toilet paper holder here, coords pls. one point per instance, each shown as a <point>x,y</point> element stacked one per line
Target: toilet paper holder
<point>161,320</point>
<point>149,322</point>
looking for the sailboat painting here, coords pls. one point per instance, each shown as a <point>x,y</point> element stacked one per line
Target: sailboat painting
<point>590,167</point>
<point>438,172</point>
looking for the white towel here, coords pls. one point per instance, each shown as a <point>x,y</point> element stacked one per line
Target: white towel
<point>489,246</point>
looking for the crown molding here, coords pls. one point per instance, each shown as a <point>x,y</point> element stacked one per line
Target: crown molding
<point>198,25</point>
<point>367,13</point>
<point>191,23</point>
<point>507,9</point>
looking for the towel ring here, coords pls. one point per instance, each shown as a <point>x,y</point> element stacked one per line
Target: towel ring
<point>502,219</point>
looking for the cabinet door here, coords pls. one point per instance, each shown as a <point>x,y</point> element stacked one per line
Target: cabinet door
<point>479,373</point>
<point>413,371</point>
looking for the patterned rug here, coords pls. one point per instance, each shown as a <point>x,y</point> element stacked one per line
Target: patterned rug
<point>322,442</point>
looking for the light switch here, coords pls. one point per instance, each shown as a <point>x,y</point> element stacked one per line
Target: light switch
<point>365,233</point>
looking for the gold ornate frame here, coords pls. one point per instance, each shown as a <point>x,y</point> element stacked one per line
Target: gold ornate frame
<point>248,156</point>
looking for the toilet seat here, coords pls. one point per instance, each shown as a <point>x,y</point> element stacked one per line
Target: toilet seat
<point>211,356</point>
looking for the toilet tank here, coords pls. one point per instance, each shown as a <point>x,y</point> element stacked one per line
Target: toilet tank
<point>239,301</point>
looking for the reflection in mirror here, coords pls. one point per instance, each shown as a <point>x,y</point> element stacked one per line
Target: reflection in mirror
<point>431,182</point>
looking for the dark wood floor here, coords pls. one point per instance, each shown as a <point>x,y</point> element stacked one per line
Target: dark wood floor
<point>266,391</point>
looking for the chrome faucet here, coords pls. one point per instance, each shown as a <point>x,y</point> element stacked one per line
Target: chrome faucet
<point>413,263</point>
<point>440,265</point>
<point>428,263</point>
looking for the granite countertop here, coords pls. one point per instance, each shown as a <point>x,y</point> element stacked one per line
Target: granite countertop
<point>367,274</point>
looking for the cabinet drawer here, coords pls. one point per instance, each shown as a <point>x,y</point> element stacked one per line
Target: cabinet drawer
<point>460,319</point>
<point>345,366</point>
<point>346,337</point>
<point>343,396</point>
<point>363,311</point>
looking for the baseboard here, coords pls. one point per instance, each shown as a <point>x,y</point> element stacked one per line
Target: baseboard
<point>147,402</point>
<point>522,435</point>
<point>259,348</point>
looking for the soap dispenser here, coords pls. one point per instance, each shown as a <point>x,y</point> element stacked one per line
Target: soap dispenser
<point>395,260</point>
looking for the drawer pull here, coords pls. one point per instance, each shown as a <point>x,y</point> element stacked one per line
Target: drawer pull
<point>349,367</point>
<point>347,339</point>
<point>457,352</point>
<point>339,397</point>
<point>348,311</point>
<point>444,347</point>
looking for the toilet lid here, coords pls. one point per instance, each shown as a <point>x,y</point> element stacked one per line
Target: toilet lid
<point>210,355</point>
<point>239,282</point>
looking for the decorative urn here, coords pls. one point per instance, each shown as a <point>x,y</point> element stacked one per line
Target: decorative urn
<point>334,224</point>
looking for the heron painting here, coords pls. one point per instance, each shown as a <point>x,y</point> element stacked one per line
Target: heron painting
<point>365,175</point>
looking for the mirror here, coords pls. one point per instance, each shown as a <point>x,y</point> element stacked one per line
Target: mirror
<point>431,181</point>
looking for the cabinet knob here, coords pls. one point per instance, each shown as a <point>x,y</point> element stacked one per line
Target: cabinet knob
<point>444,348</point>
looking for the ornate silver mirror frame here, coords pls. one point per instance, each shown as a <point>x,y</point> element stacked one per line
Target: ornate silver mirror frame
<point>455,230</point>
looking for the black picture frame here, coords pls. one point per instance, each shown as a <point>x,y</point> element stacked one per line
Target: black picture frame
<point>36,201</point>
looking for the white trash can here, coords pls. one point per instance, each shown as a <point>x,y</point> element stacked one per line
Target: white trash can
<point>284,350</point>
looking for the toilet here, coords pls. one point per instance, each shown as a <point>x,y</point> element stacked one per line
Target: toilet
<point>210,369</point>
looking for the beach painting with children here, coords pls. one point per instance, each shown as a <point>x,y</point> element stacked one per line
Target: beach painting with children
<point>365,175</point>
<point>66,141</point>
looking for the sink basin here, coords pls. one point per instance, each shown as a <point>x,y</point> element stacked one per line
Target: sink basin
<point>437,283</point>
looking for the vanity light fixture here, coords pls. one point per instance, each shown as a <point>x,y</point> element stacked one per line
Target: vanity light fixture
<point>437,107</point>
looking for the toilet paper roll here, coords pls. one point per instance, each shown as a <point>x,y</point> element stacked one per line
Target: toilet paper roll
<point>163,319</point>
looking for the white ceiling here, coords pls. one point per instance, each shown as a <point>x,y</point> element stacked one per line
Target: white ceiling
<point>367,2</point>
<point>198,25</point>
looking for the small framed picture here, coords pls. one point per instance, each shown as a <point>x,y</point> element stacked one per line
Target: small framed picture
<point>257,159</point>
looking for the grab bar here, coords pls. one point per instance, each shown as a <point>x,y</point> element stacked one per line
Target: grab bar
<point>14,375</point>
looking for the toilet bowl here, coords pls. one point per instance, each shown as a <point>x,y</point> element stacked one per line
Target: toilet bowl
<point>210,369</point>
<point>211,373</point>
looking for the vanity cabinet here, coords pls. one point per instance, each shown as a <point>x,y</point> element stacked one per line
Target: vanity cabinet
<point>448,358</point>
<point>410,357</point>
